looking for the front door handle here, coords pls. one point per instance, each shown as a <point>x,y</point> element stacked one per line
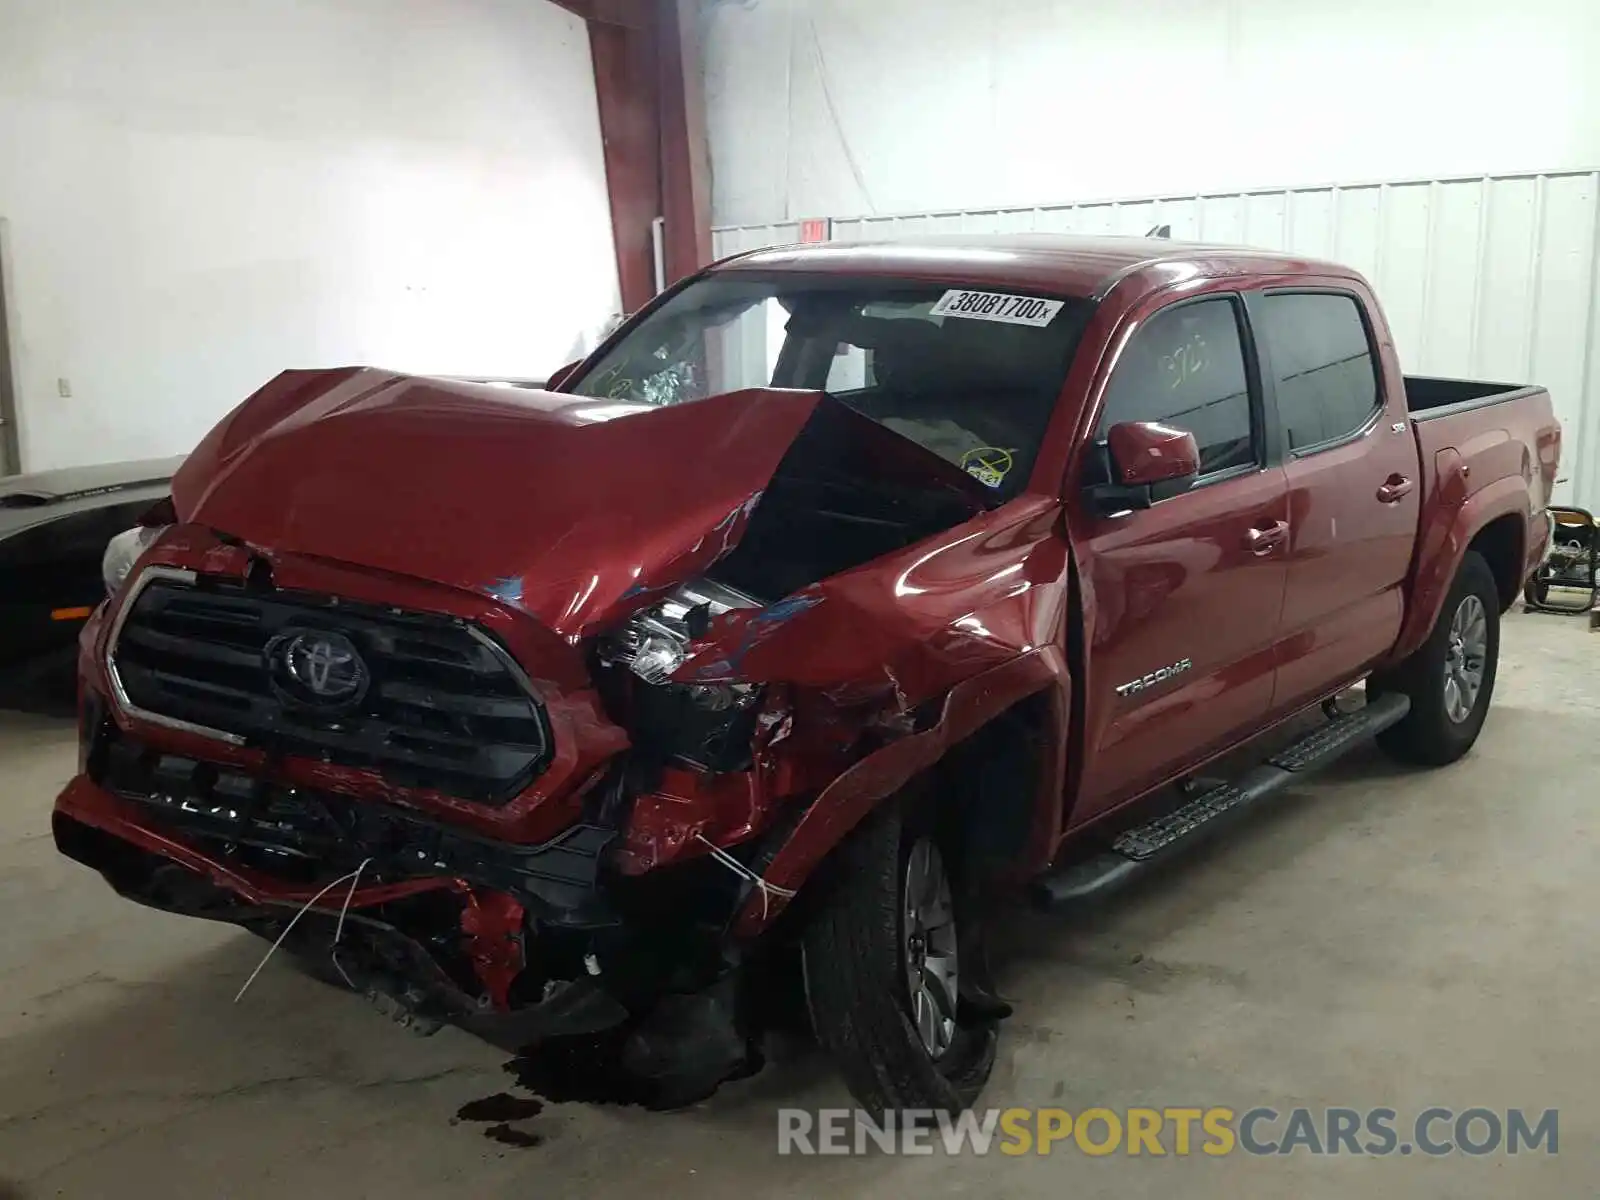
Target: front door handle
<point>1395,489</point>
<point>1262,540</point>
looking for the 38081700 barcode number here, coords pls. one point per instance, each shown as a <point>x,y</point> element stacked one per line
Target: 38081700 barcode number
<point>996,306</point>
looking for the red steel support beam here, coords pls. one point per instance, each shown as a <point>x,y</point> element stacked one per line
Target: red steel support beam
<point>649,83</point>
<point>625,71</point>
<point>685,157</point>
<point>630,13</point>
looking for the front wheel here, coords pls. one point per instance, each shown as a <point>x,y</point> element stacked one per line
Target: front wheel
<point>1450,678</point>
<point>883,972</point>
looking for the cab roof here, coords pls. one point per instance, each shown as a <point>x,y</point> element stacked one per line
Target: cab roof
<point>1068,264</point>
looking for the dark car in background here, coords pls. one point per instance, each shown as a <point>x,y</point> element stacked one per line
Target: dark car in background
<point>54,527</point>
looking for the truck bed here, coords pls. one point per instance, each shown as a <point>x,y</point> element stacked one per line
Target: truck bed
<point>1427,396</point>
<point>1488,447</point>
<point>1500,431</point>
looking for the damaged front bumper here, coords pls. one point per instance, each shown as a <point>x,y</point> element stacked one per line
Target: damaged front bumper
<point>376,954</point>
<point>515,943</point>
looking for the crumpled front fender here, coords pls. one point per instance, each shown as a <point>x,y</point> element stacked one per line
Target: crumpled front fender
<point>911,625</point>
<point>855,793</point>
<point>971,620</point>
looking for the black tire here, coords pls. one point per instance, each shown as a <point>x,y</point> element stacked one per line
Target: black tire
<point>1428,736</point>
<point>856,984</point>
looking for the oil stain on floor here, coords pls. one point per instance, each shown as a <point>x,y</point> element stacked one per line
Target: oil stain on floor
<point>498,1112</point>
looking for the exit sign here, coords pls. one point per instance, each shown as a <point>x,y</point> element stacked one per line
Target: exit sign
<point>816,229</point>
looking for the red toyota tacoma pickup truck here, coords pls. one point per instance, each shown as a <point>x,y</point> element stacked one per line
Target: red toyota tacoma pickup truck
<point>843,593</point>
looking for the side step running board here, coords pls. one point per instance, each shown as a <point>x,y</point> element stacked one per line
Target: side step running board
<point>1137,850</point>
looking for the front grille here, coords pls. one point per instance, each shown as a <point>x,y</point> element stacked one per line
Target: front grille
<point>444,708</point>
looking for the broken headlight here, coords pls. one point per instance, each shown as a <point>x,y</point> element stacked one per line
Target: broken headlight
<point>655,642</point>
<point>707,725</point>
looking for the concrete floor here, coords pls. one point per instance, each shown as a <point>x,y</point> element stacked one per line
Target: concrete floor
<point>1380,938</point>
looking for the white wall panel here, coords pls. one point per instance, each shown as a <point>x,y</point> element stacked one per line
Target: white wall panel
<point>1264,217</point>
<point>1452,265</point>
<point>1492,278</point>
<point>1310,222</point>
<point>818,106</point>
<point>197,195</point>
<point>1403,246</point>
<point>1506,279</point>
<point>1222,220</point>
<point>1560,311</point>
<point>1356,231</point>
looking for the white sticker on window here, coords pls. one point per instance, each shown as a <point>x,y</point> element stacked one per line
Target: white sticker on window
<point>997,306</point>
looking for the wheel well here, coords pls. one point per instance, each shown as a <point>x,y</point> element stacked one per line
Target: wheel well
<point>1500,543</point>
<point>988,786</point>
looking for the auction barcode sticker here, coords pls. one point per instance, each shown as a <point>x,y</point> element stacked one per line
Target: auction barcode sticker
<point>997,306</point>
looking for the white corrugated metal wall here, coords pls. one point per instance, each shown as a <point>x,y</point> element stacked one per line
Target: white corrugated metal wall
<point>1491,277</point>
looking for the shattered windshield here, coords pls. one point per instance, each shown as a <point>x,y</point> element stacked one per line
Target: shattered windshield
<point>971,374</point>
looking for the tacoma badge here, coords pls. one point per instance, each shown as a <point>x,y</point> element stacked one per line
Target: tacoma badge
<point>1134,687</point>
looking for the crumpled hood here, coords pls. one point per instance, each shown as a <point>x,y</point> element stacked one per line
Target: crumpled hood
<point>569,508</point>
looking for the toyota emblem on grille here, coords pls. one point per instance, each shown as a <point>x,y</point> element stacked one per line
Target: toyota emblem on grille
<point>317,667</point>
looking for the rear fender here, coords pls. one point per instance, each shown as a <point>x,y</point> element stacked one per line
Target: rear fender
<point>967,707</point>
<point>1454,516</point>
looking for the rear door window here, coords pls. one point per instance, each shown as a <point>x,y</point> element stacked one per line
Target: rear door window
<point>1327,378</point>
<point>1186,368</point>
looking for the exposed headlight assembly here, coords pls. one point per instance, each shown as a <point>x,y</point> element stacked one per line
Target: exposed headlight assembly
<point>708,726</point>
<point>123,551</point>
<point>655,642</point>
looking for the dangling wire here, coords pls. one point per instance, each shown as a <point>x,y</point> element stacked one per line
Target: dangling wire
<point>287,929</point>
<point>768,890</point>
<point>339,929</point>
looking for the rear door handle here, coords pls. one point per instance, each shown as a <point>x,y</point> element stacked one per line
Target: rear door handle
<point>1262,540</point>
<point>1394,489</point>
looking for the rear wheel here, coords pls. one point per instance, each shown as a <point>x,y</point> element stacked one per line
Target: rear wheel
<point>1450,678</point>
<point>883,971</point>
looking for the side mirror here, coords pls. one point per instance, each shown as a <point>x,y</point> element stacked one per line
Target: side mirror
<point>1147,462</point>
<point>560,377</point>
<point>1144,453</point>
